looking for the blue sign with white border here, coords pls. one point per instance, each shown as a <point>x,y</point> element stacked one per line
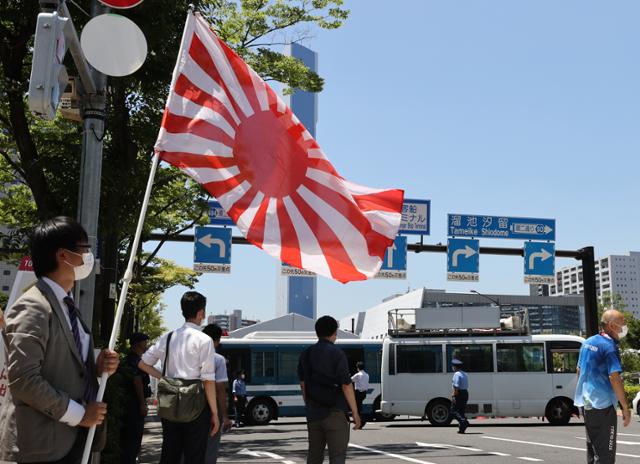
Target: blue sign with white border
<point>463,259</point>
<point>517,228</point>
<point>539,263</point>
<point>416,217</point>
<point>217,215</point>
<point>394,265</point>
<point>212,249</point>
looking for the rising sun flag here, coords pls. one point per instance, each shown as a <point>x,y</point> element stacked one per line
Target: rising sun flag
<point>228,130</point>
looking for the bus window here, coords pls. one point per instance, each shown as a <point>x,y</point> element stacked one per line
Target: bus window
<point>564,362</point>
<point>288,366</point>
<point>419,359</point>
<point>562,357</point>
<point>263,366</point>
<point>520,357</point>
<point>476,358</point>
<point>392,359</point>
<point>372,363</point>
<point>354,355</point>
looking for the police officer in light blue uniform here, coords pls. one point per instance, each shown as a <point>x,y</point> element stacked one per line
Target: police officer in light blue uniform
<point>460,395</point>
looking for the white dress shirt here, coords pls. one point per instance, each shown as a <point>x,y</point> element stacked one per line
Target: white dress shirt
<point>361,379</point>
<point>221,368</point>
<point>191,354</point>
<point>75,411</point>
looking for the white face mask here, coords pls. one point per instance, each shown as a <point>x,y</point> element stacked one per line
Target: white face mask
<point>83,271</point>
<point>624,330</point>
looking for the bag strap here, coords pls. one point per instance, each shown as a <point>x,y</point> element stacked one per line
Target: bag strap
<point>166,355</point>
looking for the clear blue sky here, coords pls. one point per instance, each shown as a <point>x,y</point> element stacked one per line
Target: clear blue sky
<point>506,108</point>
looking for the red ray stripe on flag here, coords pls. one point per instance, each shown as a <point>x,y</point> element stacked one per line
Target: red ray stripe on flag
<point>176,124</point>
<point>289,244</point>
<point>187,89</point>
<point>322,165</point>
<point>219,188</point>
<point>377,243</point>
<point>256,230</point>
<point>200,55</point>
<point>387,200</point>
<point>340,264</point>
<point>241,71</point>
<point>242,204</point>
<point>189,160</point>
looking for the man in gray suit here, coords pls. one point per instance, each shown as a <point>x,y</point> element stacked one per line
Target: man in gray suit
<point>50,360</point>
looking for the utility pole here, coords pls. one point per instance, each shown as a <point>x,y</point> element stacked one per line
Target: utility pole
<point>93,105</point>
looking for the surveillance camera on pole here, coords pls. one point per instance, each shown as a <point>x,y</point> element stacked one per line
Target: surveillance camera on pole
<point>48,75</point>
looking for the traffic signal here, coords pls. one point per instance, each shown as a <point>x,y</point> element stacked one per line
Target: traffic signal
<point>48,74</point>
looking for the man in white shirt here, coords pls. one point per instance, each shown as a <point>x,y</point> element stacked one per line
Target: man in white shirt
<point>361,384</point>
<point>215,332</point>
<point>191,357</point>
<point>50,358</point>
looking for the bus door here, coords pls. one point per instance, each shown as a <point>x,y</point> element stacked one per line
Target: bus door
<point>521,383</point>
<point>562,363</point>
<point>477,361</point>
<point>354,354</point>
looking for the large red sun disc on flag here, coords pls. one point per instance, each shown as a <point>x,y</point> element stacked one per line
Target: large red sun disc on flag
<point>121,4</point>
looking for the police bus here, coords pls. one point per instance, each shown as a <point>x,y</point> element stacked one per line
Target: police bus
<point>511,373</point>
<point>270,362</point>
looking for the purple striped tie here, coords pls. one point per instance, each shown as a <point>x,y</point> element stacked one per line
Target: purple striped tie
<point>89,389</point>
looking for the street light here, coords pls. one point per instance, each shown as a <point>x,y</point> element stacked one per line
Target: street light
<point>497,302</point>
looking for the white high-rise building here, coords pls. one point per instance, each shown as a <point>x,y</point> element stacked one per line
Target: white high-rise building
<point>615,274</point>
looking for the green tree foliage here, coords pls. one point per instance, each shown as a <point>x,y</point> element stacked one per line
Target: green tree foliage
<point>39,160</point>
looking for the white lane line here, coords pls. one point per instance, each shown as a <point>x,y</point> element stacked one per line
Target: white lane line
<point>535,443</point>
<point>391,455</point>
<point>524,458</point>
<point>554,446</point>
<point>498,453</point>
<point>629,434</point>
<point>621,442</point>
<point>445,446</point>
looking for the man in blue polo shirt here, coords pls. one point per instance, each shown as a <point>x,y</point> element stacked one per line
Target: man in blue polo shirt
<point>600,388</point>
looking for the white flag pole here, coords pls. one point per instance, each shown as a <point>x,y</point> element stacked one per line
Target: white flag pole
<point>128,275</point>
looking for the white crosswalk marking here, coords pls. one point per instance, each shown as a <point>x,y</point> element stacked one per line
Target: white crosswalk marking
<point>391,455</point>
<point>524,458</point>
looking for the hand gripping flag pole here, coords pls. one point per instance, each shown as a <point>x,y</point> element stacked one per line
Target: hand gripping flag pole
<point>126,280</point>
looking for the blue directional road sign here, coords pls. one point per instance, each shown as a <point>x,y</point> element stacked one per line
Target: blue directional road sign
<point>464,225</point>
<point>212,250</point>
<point>416,217</point>
<point>463,259</point>
<point>394,265</point>
<point>539,263</point>
<point>217,215</point>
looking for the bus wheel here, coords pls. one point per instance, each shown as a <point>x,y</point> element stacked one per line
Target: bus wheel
<point>558,412</point>
<point>260,411</point>
<point>439,412</point>
<point>381,416</point>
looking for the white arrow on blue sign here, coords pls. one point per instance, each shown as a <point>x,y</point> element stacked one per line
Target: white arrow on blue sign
<point>518,228</point>
<point>539,263</point>
<point>212,250</point>
<point>463,259</point>
<point>394,265</point>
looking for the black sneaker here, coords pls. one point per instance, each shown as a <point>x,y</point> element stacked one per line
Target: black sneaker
<point>463,428</point>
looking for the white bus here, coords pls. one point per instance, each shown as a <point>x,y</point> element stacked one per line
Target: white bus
<point>510,375</point>
<point>270,362</point>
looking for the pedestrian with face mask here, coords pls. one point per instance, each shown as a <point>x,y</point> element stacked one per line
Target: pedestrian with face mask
<point>600,388</point>
<point>239,391</point>
<point>51,365</point>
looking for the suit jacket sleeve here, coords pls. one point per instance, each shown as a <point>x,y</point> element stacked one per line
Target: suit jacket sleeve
<point>27,333</point>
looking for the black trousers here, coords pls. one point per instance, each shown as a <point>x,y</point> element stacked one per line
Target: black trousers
<point>74,456</point>
<point>185,438</point>
<point>601,426</point>
<point>132,434</point>
<point>360,396</point>
<point>458,407</point>
<point>239,407</point>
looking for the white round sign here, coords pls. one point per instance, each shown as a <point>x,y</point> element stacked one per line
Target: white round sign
<point>114,45</point>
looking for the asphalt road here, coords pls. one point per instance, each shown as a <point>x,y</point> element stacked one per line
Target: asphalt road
<point>496,441</point>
